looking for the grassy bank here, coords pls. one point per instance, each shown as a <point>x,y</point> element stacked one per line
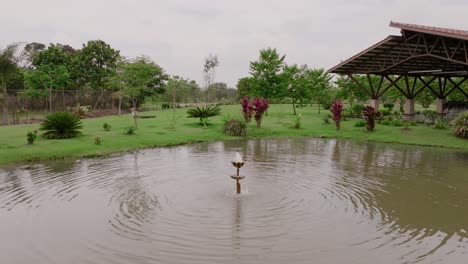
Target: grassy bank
<point>157,131</point>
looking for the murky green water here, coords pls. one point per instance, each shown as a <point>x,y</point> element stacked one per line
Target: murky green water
<point>305,201</point>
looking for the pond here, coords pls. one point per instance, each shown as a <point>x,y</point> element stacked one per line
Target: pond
<point>304,201</point>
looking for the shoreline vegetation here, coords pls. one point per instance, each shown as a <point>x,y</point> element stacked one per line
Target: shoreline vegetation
<point>170,128</point>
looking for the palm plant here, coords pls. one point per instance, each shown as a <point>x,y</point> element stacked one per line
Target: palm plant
<point>8,67</point>
<point>203,113</point>
<point>61,125</point>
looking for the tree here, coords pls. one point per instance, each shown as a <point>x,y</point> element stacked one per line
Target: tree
<point>48,77</point>
<point>266,74</point>
<point>349,90</point>
<point>244,87</point>
<point>425,98</point>
<point>209,72</point>
<point>295,80</point>
<point>96,62</point>
<point>319,81</point>
<point>140,78</point>
<point>8,68</point>
<point>30,52</point>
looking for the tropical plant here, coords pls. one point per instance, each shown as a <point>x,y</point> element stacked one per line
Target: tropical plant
<point>203,113</point>
<point>80,110</point>
<point>235,127</point>
<point>336,110</point>
<point>60,125</point>
<point>31,136</point>
<point>460,124</point>
<point>247,109</point>
<point>129,130</point>
<point>370,115</point>
<point>106,127</point>
<point>260,105</point>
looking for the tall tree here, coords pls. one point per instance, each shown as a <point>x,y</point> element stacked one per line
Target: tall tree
<point>140,78</point>
<point>97,61</point>
<point>8,69</point>
<point>320,85</point>
<point>294,78</point>
<point>48,77</point>
<point>349,90</point>
<point>30,52</point>
<point>266,74</point>
<point>209,72</point>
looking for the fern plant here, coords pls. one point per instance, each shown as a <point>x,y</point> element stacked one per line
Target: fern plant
<point>61,125</point>
<point>203,113</point>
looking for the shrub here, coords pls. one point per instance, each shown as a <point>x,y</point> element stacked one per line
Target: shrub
<point>389,106</point>
<point>80,110</point>
<point>370,115</point>
<point>106,127</point>
<point>461,125</point>
<point>60,125</point>
<point>440,124</point>
<point>385,122</point>
<point>385,112</point>
<point>235,127</point>
<point>203,113</point>
<point>165,106</point>
<point>31,136</point>
<point>396,122</point>
<point>431,114</point>
<point>337,109</point>
<point>297,123</point>
<point>129,130</point>
<point>260,105</point>
<point>360,123</point>
<point>247,109</point>
<point>97,140</point>
<point>326,119</point>
<point>356,110</point>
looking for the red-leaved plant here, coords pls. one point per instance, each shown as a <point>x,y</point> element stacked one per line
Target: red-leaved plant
<point>247,109</point>
<point>260,105</point>
<point>370,115</point>
<point>337,109</point>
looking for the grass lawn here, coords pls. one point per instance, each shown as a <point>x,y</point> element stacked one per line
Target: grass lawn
<point>155,132</point>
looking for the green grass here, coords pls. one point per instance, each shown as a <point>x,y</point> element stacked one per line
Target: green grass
<point>157,132</point>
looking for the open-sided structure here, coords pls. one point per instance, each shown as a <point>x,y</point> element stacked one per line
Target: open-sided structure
<point>421,58</point>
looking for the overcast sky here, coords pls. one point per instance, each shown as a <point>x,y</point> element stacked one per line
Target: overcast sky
<point>178,34</point>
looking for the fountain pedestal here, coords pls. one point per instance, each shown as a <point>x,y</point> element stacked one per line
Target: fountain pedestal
<point>237,177</point>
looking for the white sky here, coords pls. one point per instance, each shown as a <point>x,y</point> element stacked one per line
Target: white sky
<point>178,34</point>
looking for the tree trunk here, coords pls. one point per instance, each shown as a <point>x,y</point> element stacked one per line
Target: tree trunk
<point>5,119</point>
<point>294,106</point>
<point>50,100</point>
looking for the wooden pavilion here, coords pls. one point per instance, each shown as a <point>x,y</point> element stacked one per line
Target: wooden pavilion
<point>422,57</point>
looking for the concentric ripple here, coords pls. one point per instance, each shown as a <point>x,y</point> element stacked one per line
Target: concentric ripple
<point>303,201</point>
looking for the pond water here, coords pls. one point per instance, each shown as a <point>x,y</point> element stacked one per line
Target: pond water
<point>304,201</point>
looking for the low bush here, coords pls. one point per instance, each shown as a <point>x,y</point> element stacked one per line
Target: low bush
<point>385,122</point>
<point>165,106</point>
<point>385,112</point>
<point>440,124</point>
<point>129,130</point>
<point>460,124</point>
<point>360,123</point>
<point>326,119</point>
<point>106,127</point>
<point>61,125</point>
<point>235,127</point>
<point>297,123</point>
<point>31,136</point>
<point>97,140</point>
<point>356,110</point>
<point>389,106</point>
<point>397,123</point>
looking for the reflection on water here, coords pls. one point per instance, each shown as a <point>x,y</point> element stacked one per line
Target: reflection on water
<point>308,200</point>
